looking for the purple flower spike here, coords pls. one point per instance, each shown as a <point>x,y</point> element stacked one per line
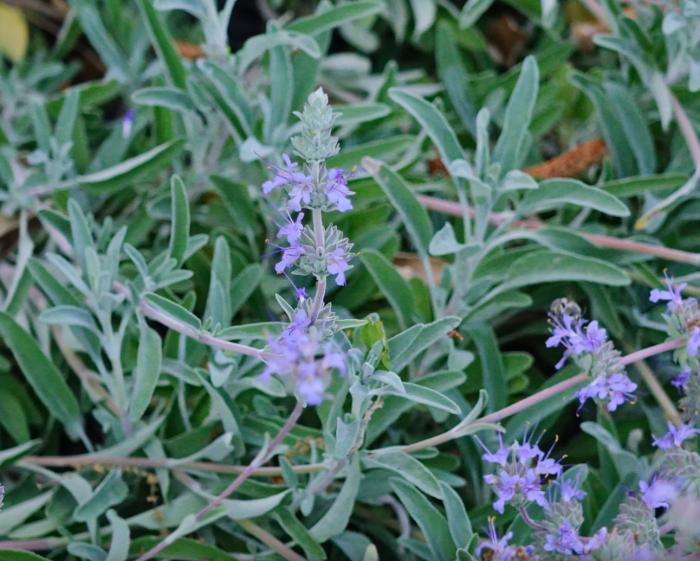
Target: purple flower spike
<point>337,189</point>
<point>292,229</point>
<point>672,294</point>
<point>337,262</point>
<point>675,436</point>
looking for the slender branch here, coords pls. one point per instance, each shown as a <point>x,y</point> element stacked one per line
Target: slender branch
<point>269,540</point>
<point>259,460</point>
<point>556,389</point>
<point>85,460</point>
<point>454,209</point>
<point>201,336</point>
<point>657,391</point>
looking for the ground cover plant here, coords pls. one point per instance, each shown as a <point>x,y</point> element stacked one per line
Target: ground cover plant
<point>400,279</point>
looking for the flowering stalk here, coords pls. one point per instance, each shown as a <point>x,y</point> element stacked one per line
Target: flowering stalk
<point>262,458</point>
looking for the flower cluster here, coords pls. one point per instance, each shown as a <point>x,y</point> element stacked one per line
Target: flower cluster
<point>588,344</point>
<point>499,549</point>
<point>312,249</point>
<point>520,472</point>
<point>299,357</point>
<point>523,469</point>
<point>303,355</point>
<point>682,314</point>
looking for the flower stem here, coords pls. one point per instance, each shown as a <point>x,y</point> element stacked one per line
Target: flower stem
<point>319,238</point>
<point>259,460</point>
<point>201,336</point>
<point>454,209</point>
<point>458,430</point>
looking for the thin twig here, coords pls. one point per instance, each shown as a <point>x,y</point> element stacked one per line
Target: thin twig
<point>453,209</point>
<point>259,460</point>
<point>657,391</point>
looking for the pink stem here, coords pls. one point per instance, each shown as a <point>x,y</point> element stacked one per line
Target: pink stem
<point>236,483</point>
<point>454,209</point>
<point>30,545</point>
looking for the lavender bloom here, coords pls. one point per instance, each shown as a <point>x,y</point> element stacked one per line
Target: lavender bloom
<point>300,192</point>
<point>506,486</point>
<point>289,257</point>
<point>284,176</point>
<point>520,478</point>
<point>337,262</point>
<point>617,389</point>
<point>575,336</point>
<point>292,229</point>
<point>672,294</point>
<point>128,122</point>
<point>568,542</point>
<point>498,547</point>
<point>569,492</point>
<point>658,493</point>
<point>297,357</point>
<point>532,488</point>
<point>694,341</point>
<point>337,190</point>
<point>565,541</point>
<point>675,436</point>
<point>682,379</point>
<point>500,456</point>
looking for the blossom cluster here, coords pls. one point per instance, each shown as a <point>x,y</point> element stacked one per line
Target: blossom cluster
<point>312,249</point>
<point>299,357</point>
<point>525,475</point>
<point>304,355</point>
<point>588,344</point>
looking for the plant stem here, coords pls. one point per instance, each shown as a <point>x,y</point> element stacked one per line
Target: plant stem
<point>259,460</point>
<point>320,239</point>
<point>657,391</point>
<point>454,209</point>
<point>201,336</point>
<point>556,389</point>
<point>455,432</point>
<point>269,540</point>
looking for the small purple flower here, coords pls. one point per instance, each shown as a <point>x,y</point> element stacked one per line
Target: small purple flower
<point>284,176</point>
<point>292,229</point>
<point>565,541</point>
<point>337,264</point>
<point>675,436</point>
<point>128,122</point>
<point>499,456</point>
<point>658,493</point>
<point>290,255</point>
<point>527,452</point>
<point>616,388</point>
<point>621,389</point>
<point>694,341</point>
<point>337,189</point>
<point>300,192</point>
<point>569,492</point>
<point>532,488</point>
<point>506,486</point>
<point>499,548</point>
<point>682,379</point>
<point>575,336</point>
<point>672,294</point>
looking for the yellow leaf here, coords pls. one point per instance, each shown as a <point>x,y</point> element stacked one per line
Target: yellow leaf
<point>14,33</point>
